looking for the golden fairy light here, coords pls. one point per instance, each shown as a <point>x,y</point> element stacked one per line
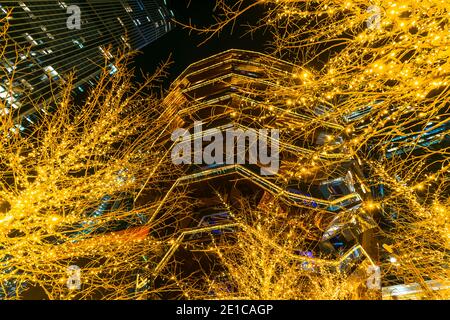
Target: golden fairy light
<point>77,188</point>
<point>373,74</point>
<point>380,70</point>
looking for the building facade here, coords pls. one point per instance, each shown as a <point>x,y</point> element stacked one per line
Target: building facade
<point>42,44</point>
<point>315,174</point>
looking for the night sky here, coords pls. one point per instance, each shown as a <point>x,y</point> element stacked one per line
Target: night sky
<point>184,46</point>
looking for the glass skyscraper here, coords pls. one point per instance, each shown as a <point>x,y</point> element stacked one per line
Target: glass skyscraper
<point>40,49</point>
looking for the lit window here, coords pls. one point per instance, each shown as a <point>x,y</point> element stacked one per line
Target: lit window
<point>4,111</point>
<point>8,65</point>
<point>141,6</point>
<point>24,7</point>
<point>27,84</point>
<point>62,4</point>
<point>125,41</point>
<point>50,36</point>
<point>8,96</point>
<point>160,12</point>
<point>120,21</point>
<point>113,69</point>
<point>3,9</point>
<point>17,126</point>
<point>30,39</point>
<point>77,43</point>
<point>50,70</point>
<point>106,53</point>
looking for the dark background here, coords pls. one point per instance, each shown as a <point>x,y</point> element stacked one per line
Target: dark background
<point>184,45</point>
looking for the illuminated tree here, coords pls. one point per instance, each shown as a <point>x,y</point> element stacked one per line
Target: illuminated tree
<point>381,70</point>
<point>77,188</point>
<point>269,259</point>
